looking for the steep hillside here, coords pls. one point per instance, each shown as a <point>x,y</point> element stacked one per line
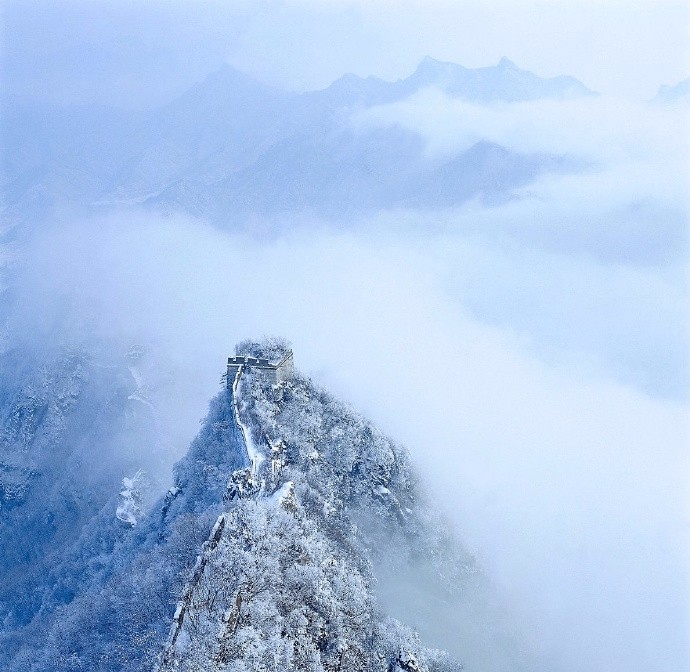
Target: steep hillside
<point>105,595</point>
<point>263,555</point>
<point>70,426</point>
<point>285,579</point>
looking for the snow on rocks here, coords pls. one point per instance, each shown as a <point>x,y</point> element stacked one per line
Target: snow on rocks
<point>255,455</point>
<point>129,508</point>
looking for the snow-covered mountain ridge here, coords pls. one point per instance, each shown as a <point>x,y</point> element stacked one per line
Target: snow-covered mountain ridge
<point>286,576</point>
<point>258,564</point>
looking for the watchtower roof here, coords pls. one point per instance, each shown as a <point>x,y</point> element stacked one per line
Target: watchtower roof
<point>251,361</point>
<point>259,362</point>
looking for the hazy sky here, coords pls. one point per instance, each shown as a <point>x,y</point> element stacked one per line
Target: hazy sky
<point>135,53</point>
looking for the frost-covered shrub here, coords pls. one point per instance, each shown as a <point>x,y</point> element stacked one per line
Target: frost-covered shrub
<point>273,348</point>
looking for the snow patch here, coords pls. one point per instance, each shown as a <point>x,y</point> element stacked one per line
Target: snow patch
<point>256,457</point>
<point>136,374</point>
<point>138,394</point>
<point>129,508</point>
<point>285,492</point>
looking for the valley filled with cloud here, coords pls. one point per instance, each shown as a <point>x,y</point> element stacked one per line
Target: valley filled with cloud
<point>490,264</point>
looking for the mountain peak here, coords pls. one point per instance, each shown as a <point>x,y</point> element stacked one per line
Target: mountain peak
<point>228,75</point>
<point>674,92</point>
<point>504,81</point>
<point>507,64</point>
<point>432,66</point>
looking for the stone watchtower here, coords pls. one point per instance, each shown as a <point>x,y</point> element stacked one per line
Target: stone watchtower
<point>274,371</point>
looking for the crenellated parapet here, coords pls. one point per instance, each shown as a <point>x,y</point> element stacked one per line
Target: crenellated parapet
<point>276,371</point>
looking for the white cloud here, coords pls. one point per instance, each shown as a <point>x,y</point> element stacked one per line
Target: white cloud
<point>602,128</point>
<point>569,486</point>
<point>629,197</point>
<point>492,341</point>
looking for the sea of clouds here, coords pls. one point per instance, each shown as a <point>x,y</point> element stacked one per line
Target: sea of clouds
<point>533,356</point>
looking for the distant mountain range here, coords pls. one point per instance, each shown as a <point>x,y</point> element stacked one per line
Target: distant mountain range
<point>504,82</point>
<point>674,93</point>
<point>232,146</point>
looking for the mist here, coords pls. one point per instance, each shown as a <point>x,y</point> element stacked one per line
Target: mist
<point>567,484</point>
<point>531,355</point>
<point>531,352</point>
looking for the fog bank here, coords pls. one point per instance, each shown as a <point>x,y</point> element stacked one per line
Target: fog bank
<point>568,485</point>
